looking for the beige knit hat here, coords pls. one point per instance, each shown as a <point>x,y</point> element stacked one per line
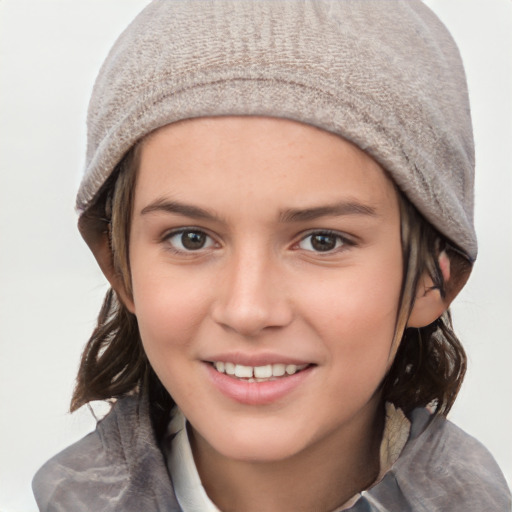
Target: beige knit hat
<point>384,74</point>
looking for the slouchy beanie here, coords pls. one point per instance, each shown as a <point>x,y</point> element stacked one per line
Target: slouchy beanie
<point>384,74</point>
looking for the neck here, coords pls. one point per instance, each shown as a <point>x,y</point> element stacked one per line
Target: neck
<point>313,479</point>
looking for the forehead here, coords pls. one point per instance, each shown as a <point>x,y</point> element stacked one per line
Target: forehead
<point>254,159</point>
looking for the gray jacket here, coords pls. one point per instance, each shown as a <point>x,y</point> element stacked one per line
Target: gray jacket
<point>119,467</point>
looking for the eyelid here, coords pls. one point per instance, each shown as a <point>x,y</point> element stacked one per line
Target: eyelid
<point>165,239</point>
<point>346,240</point>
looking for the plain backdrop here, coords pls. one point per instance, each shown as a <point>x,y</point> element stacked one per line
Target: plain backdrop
<point>50,288</point>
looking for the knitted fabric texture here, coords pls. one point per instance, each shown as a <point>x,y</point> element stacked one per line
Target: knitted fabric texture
<point>384,74</point>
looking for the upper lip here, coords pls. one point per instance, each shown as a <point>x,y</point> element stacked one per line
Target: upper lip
<point>262,359</point>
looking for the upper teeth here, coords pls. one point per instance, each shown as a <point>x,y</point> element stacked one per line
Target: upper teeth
<point>259,372</point>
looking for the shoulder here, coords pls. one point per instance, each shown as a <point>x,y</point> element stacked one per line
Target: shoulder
<point>444,468</point>
<point>85,473</point>
<point>117,467</point>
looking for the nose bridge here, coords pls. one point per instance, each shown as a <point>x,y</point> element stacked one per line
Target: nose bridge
<point>250,296</point>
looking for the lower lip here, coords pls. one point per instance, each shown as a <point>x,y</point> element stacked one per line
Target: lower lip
<point>256,393</point>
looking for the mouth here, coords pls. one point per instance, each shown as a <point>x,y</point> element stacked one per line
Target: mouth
<point>265,373</point>
<point>264,384</point>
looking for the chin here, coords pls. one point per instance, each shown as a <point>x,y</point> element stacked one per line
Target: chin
<point>261,452</point>
<point>271,444</point>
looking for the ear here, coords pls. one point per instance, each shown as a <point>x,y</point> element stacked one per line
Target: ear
<point>429,304</point>
<point>95,233</point>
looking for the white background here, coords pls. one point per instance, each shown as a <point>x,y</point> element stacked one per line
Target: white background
<point>50,288</point>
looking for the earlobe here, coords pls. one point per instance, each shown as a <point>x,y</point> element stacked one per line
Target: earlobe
<point>98,242</point>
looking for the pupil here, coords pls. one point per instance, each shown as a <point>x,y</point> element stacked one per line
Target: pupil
<point>323,242</point>
<point>193,239</point>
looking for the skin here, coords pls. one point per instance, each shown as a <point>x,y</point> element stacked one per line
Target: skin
<point>259,188</point>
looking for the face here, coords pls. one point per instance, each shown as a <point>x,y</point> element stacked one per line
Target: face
<point>266,268</point>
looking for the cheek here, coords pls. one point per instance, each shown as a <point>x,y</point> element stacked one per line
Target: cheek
<point>362,300</point>
<point>168,311</point>
<point>169,317</point>
<point>356,316</point>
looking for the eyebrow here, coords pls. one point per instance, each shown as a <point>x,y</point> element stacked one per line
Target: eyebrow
<point>286,216</point>
<point>337,210</point>
<point>187,210</point>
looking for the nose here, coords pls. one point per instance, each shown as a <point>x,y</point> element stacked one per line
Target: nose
<point>252,295</point>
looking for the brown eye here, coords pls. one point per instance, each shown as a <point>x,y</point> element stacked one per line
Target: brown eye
<point>193,240</point>
<point>322,242</point>
<point>187,240</point>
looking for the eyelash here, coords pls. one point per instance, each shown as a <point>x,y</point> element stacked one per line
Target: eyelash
<point>192,231</point>
<point>341,242</point>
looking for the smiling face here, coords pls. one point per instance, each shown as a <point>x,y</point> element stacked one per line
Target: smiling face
<point>268,249</point>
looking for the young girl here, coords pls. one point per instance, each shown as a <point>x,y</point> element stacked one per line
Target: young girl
<point>281,196</point>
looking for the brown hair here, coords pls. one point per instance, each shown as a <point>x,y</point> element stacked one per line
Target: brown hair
<point>428,368</point>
